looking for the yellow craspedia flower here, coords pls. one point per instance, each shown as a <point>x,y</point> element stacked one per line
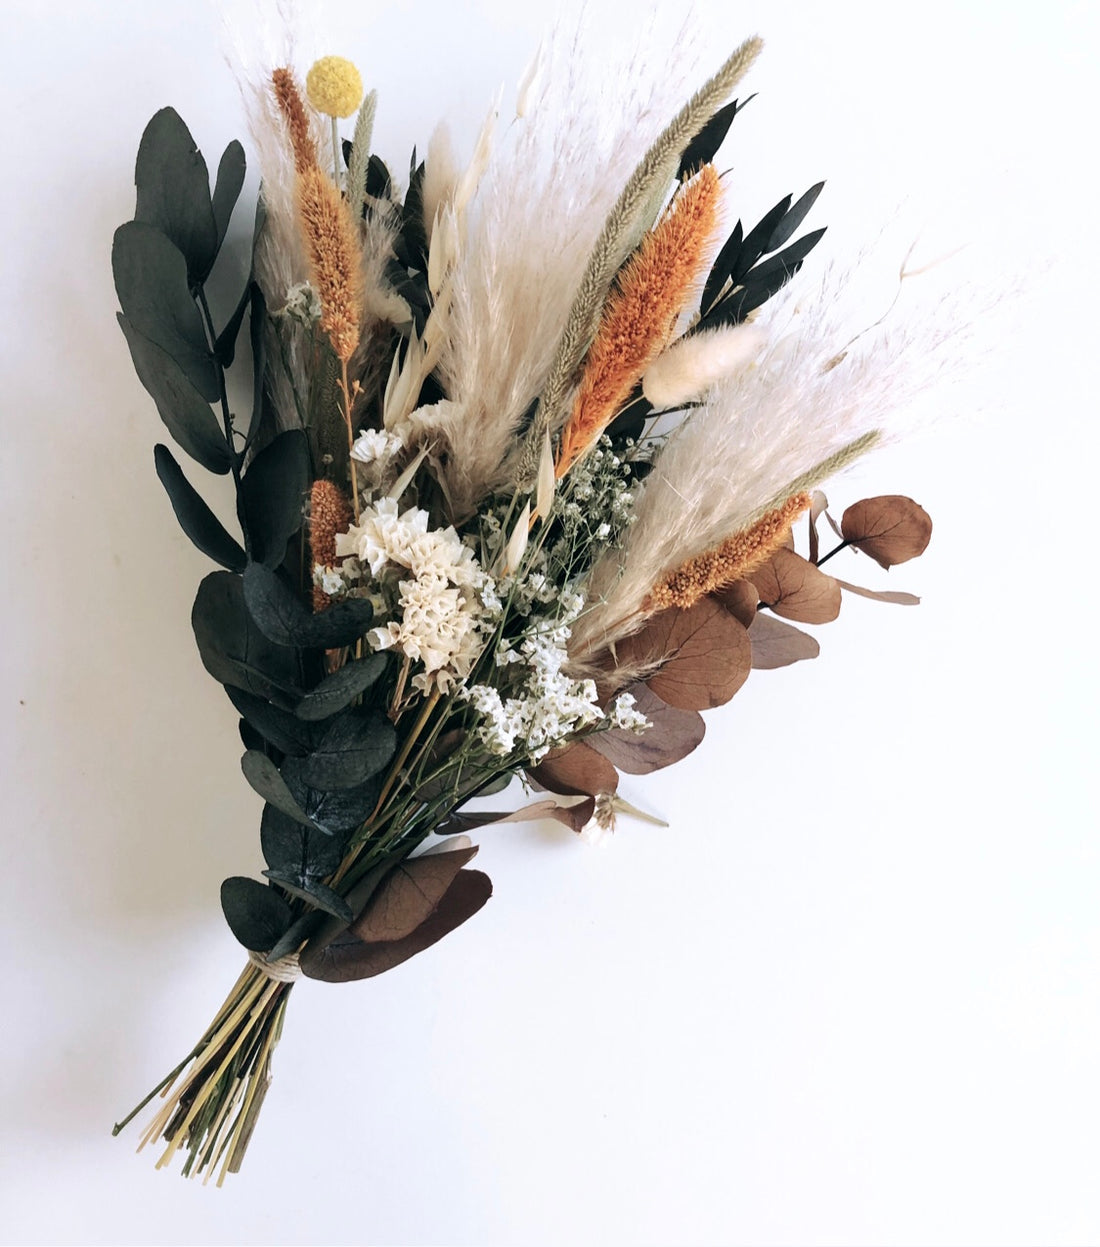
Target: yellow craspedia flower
<point>334,86</point>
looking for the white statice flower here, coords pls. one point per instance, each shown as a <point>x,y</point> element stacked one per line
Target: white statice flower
<point>330,580</point>
<point>623,715</point>
<point>542,706</point>
<point>374,445</point>
<point>303,305</point>
<point>443,603</point>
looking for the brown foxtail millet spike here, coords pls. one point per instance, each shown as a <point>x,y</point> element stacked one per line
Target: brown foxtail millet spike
<point>640,314</point>
<point>289,99</point>
<point>334,262</point>
<point>733,559</point>
<point>329,514</point>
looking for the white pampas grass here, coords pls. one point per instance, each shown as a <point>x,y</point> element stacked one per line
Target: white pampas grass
<point>816,398</point>
<point>592,112</point>
<point>695,363</point>
<point>441,174</point>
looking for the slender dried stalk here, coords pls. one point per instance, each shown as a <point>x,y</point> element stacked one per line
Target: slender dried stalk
<point>732,560</point>
<point>641,313</point>
<point>210,1109</point>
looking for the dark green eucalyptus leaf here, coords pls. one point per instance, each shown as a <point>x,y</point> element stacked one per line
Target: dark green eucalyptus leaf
<point>339,810</point>
<point>353,750</point>
<point>339,690</point>
<point>793,218</point>
<point>195,517</point>
<point>266,780</point>
<point>151,282</point>
<point>346,958</point>
<point>285,620</point>
<point>257,915</point>
<point>234,650</point>
<point>296,934</point>
<point>225,346</point>
<point>317,893</point>
<point>279,727</point>
<point>273,495</point>
<point>186,414</point>
<point>227,188</point>
<point>173,192</point>
<point>257,322</point>
<point>250,738</point>
<point>296,851</point>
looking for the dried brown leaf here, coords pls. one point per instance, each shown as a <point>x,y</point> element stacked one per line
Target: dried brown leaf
<point>740,599</point>
<point>347,957</point>
<point>700,656</point>
<point>796,589</point>
<point>408,895</point>
<point>573,816</point>
<point>818,503</point>
<point>672,734</point>
<point>576,771</point>
<point>776,644</point>
<point>879,595</point>
<point>891,529</point>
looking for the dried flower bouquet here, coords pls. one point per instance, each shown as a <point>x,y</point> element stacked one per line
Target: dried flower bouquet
<point>473,545</point>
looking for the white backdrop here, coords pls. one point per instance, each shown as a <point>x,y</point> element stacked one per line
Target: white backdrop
<point>848,996</point>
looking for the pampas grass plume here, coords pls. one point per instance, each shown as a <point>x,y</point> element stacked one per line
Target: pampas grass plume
<point>693,364</point>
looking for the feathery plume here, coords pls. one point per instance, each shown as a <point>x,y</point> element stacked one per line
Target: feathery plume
<point>640,314</point>
<point>733,559</point>
<point>522,258</point>
<point>621,231</point>
<point>697,361</point>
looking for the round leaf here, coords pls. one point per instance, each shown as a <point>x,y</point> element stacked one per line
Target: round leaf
<point>891,529</point>
<point>796,589</point>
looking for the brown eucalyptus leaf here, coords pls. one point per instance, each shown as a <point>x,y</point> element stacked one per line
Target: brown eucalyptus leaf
<point>672,734</point>
<point>776,644</point>
<point>701,655</point>
<point>796,589</point>
<point>576,771</point>
<point>891,529</point>
<point>347,958</point>
<point>818,503</point>
<point>880,595</point>
<point>408,895</point>
<point>573,816</point>
<point>740,599</point>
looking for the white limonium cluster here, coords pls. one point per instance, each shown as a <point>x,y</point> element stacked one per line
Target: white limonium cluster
<point>303,305</point>
<point>443,604</point>
<point>373,445</point>
<point>543,706</point>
